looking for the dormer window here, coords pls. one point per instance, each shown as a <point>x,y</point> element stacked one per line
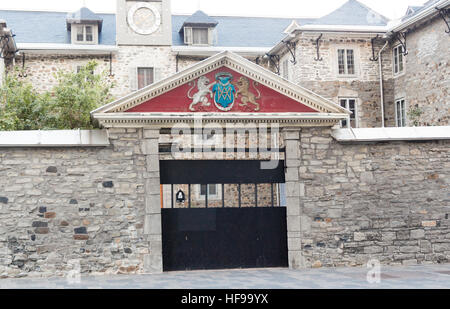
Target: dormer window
<point>85,34</point>
<point>197,36</point>
<point>198,29</point>
<point>84,26</point>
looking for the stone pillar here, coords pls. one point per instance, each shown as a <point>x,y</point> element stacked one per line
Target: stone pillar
<point>294,192</point>
<point>152,222</point>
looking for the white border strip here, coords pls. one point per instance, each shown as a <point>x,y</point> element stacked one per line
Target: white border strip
<point>392,134</point>
<point>57,138</point>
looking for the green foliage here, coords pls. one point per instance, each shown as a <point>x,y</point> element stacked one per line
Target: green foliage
<point>77,94</point>
<point>21,107</point>
<point>67,106</point>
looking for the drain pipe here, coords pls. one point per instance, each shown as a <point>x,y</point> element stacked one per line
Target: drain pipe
<point>381,83</point>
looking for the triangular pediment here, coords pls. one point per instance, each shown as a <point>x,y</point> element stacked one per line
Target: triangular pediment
<point>224,86</point>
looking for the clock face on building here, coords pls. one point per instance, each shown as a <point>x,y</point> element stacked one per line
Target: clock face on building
<point>144,18</point>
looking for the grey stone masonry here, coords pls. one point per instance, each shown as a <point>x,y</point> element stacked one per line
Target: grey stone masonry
<point>152,223</point>
<point>385,201</point>
<point>291,138</point>
<point>89,208</point>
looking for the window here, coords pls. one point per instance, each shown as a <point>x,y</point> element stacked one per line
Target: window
<point>145,77</point>
<point>196,36</point>
<point>398,59</point>
<point>85,34</point>
<point>346,62</point>
<point>200,36</point>
<point>286,69</point>
<point>349,104</point>
<point>400,113</point>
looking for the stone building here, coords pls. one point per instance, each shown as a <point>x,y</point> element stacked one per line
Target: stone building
<point>338,55</point>
<point>156,189</point>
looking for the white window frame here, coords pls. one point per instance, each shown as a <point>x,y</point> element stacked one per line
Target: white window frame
<point>355,63</point>
<point>189,36</point>
<point>396,62</point>
<point>347,106</point>
<point>401,120</point>
<point>75,29</point>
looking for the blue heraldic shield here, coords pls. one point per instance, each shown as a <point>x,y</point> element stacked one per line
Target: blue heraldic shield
<point>224,91</point>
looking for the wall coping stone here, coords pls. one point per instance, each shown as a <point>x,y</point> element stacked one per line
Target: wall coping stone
<point>392,134</point>
<point>55,138</point>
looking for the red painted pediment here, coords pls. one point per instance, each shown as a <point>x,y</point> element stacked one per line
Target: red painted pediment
<point>222,91</point>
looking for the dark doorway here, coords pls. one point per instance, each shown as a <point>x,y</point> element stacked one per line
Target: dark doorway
<point>235,234</point>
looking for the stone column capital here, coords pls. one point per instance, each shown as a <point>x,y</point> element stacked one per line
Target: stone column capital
<point>291,133</point>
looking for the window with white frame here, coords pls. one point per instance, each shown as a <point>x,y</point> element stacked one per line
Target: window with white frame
<point>350,104</point>
<point>196,36</point>
<point>400,113</point>
<point>346,62</point>
<point>145,77</point>
<point>398,60</point>
<point>85,34</point>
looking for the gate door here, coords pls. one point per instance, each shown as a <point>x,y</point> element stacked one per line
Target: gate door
<point>222,214</point>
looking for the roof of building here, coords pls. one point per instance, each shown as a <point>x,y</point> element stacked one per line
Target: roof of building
<point>414,10</point>
<point>84,15</point>
<point>200,18</point>
<point>231,31</point>
<point>50,27</point>
<point>242,31</point>
<point>353,13</point>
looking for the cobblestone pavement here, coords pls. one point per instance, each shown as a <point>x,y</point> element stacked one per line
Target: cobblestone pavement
<point>412,277</point>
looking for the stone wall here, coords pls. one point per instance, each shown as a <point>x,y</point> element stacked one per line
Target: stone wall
<point>387,201</point>
<point>41,70</point>
<point>424,83</point>
<point>63,205</point>
<point>100,207</point>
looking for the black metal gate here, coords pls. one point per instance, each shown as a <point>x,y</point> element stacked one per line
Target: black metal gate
<point>229,236</point>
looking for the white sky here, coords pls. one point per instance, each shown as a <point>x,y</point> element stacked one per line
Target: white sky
<point>275,8</point>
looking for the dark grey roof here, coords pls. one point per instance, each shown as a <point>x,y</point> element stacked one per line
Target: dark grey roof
<point>200,18</point>
<point>84,15</point>
<point>418,9</point>
<point>50,27</point>
<point>242,31</point>
<point>353,13</point>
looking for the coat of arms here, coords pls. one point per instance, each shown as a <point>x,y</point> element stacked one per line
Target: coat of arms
<point>224,91</point>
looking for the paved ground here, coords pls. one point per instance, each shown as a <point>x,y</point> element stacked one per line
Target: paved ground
<point>413,277</point>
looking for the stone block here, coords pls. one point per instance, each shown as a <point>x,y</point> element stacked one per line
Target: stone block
<point>152,163</point>
<point>293,223</point>
<point>152,224</point>
<point>292,174</point>
<point>149,146</point>
<point>417,234</point>
<point>291,134</point>
<point>152,204</point>
<point>151,134</point>
<point>296,260</point>
<point>152,186</point>
<point>293,206</point>
<point>153,263</point>
<point>292,189</point>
